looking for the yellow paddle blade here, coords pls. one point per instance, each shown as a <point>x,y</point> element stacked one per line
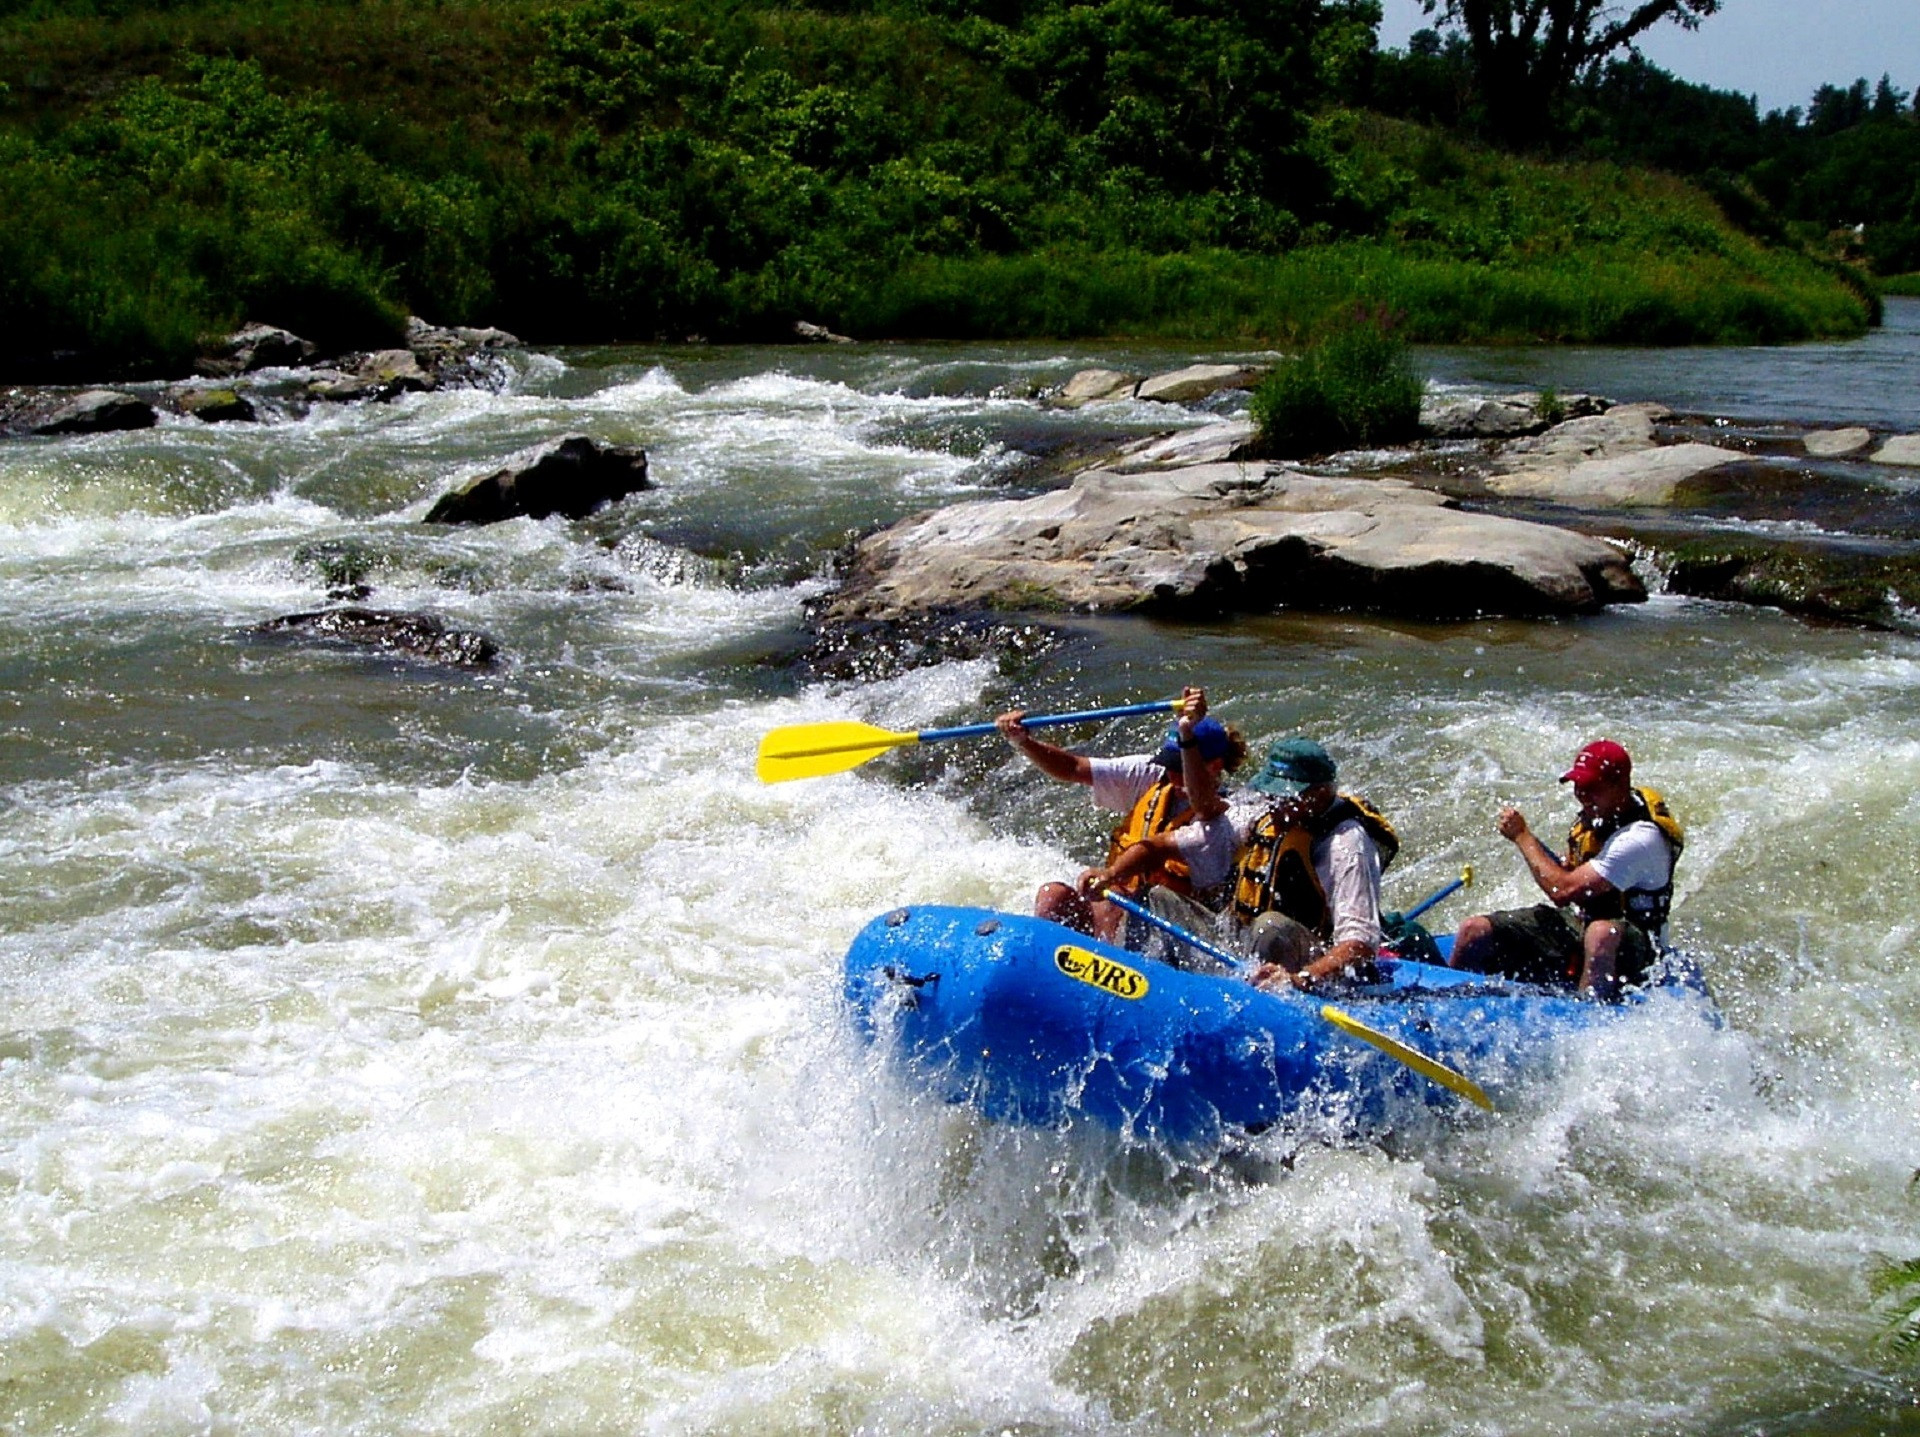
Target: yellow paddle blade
<point>808,750</point>
<point>1412,1057</point>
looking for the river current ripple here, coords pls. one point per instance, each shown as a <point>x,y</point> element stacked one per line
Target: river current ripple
<point>385,1049</point>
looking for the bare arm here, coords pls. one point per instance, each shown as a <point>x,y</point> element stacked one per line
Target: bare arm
<point>1142,857</point>
<point>1196,774</point>
<point>1561,882</point>
<point>1054,762</point>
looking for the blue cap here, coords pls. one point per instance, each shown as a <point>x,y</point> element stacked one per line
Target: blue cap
<point>1293,765</point>
<point>1209,734</point>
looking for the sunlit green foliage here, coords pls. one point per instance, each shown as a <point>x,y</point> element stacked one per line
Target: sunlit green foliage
<point>630,169</point>
<point>1355,387</point>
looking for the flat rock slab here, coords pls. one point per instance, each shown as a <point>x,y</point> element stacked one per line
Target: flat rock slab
<point>1096,386</point>
<point>1623,429</point>
<point>1209,444</point>
<point>1198,381</point>
<point>1228,537</point>
<point>1901,449</point>
<point>1832,443</point>
<point>1644,478</point>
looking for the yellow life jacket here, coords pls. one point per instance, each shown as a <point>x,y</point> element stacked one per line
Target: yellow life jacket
<point>1162,807</point>
<point>1275,871</point>
<point>1645,907</point>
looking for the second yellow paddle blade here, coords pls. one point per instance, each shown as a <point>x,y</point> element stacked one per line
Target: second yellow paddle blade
<point>1420,1063</point>
<point>808,750</point>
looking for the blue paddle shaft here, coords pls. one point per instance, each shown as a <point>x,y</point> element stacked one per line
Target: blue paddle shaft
<point>981,730</point>
<point>1174,930</point>
<point>1435,897</point>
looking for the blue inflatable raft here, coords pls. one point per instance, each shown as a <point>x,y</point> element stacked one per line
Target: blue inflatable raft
<point>1035,1024</point>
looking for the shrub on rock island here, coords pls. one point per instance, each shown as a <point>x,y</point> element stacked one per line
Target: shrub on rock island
<point>1353,388</point>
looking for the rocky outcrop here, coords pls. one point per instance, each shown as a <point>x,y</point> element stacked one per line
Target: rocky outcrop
<point>1197,382</point>
<point>1900,449</point>
<point>254,347</point>
<point>92,411</point>
<point>1460,416</point>
<point>1209,444</point>
<point>1096,386</point>
<point>381,375</point>
<point>215,406</point>
<point>1649,478</point>
<point>1854,584</point>
<point>571,477</point>
<point>808,332</point>
<point>1835,443</point>
<point>1191,385</point>
<point>421,637</point>
<point>1228,537</point>
<point>1610,460</point>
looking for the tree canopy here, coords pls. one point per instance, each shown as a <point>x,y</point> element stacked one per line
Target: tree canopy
<point>1527,54</point>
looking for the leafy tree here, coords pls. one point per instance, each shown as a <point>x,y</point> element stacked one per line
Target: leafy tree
<point>1527,54</point>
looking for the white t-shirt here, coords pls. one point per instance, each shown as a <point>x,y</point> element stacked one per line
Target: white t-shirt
<point>1635,857</point>
<point>1347,863</point>
<point>1206,846</point>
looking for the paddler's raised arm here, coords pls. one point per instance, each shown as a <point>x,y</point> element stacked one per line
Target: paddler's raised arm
<point>1054,762</point>
<point>1199,776</point>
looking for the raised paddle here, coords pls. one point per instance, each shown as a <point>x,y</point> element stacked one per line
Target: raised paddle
<point>809,750</point>
<point>1420,1063</point>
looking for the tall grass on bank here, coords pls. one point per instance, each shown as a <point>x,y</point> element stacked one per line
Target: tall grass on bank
<point>609,170</point>
<point>1589,298</point>
<point>1353,388</point>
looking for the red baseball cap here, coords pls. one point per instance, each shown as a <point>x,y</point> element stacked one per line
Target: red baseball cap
<point>1603,758</point>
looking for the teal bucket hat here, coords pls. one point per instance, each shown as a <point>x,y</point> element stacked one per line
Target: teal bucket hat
<point>1293,764</point>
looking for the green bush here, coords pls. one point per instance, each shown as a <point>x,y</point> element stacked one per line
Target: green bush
<point>1354,388</point>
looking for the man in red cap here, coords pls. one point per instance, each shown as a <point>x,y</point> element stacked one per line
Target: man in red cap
<point>1609,898</point>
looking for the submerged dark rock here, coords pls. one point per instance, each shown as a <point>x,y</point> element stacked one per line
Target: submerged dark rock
<point>422,637</point>
<point>1875,585</point>
<point>865,651</point>
<point>571,477</point>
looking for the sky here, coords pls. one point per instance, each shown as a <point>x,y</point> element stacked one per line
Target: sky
<point>1778,50</point>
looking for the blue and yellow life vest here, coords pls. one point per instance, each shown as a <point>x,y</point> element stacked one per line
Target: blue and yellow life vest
<point>1645,908</point>
<point>1275,872</point>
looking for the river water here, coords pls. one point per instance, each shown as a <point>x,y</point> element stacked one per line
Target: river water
<point>386,1048</point>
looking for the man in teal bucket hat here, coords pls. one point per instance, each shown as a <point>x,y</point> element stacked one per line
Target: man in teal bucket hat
<point>1306,888</point>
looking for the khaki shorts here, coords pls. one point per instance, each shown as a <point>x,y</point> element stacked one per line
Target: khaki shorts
<point>1546,944</point>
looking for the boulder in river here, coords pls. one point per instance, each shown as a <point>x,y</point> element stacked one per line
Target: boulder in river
<point>1646,477</point>
<point>1209,444</point>
<point>95,411</point>
<point>1464,416</point>
<point>257,346</point>
<point>810,333</point>
<point>1900,449</point>
<point>1198,381</point>
<point>403,635</point>
<point>215,406</point>
<point>1228,537</point>
<point>571,477</point>
<point>1833,443</point>
<point>1096,386</point>
<point>1877,585</point>
<point>381,375</point>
